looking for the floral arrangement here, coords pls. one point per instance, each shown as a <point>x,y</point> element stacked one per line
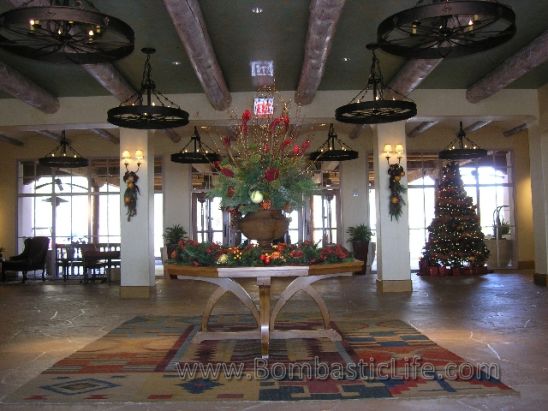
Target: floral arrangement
<point>209,254</point>
<point>265,167</point>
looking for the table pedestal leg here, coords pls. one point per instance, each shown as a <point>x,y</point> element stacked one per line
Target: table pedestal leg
<point>264,314</point>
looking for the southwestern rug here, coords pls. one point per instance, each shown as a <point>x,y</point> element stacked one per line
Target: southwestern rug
<point>152,358</point>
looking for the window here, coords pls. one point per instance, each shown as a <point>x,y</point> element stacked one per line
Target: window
<point>76,205</point>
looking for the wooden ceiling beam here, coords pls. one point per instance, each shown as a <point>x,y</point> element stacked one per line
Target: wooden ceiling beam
<point>515,130</point>
<point>172,134</point>
<point>421,128</point>
<point>322,23</point>
<point>412,73</point>
<point>49,134</point>
<point>11,140</point>
<point>106,135</point>
<point>190,26</point>
<point>24,89</point>
<point>514,67</point>
<point>476,126</point>
<point>111,79</point>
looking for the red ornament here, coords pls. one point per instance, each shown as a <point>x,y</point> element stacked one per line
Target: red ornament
<point>271,174</point>
<point>227,172</point>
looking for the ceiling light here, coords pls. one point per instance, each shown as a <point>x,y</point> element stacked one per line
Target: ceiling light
<point>462,148</point>
<point>395,107</point>
<point>72,32</point>
<point>141,112</point>
<point>176,63</point>
<point>345,59</point>
<point>257,10</point>
<point>436,29</point>
<point>195,152</point>
<point>63,156</point>
<point>333,149</point>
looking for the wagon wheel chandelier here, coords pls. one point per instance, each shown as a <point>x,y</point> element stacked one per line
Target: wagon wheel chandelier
<point>380,108</point>
<point>65,31</point>
<point>436,29</point>
<point>63,156</point>
<point>195,152</point>
<point>333,149</point>
<point>462,148</point>
<point>148,108</point>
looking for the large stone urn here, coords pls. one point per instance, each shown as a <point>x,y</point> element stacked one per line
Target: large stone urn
<point>264,226</point>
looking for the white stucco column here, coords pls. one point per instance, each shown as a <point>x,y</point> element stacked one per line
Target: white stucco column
<point>393,266</point>
<point>538,152</point>
<point>137,267</point>
<point>177,194</point>
<point>354,191</point>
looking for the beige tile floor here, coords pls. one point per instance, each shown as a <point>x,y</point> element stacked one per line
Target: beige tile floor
<point>497,317</point>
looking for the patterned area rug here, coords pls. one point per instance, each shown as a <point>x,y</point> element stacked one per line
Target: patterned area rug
<point>152,358</point>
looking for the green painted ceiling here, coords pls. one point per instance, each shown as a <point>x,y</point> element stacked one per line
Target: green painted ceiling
<point>239,36</point>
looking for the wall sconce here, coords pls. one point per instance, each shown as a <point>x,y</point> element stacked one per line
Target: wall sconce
<point>131,178</point>
<point>388,152</point>
<point>126,156</point>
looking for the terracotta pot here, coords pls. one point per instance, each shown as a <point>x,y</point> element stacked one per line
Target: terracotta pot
<point>444,271</point>
<point>433,271</point>
<point>456,271</point>
<point>264,226</point>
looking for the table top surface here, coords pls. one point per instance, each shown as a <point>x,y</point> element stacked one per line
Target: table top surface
<point>174,270</point>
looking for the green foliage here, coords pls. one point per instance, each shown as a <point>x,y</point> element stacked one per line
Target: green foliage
<point>208,254</point>
<point>360,232</point>
<point>264,157</point>
<point>173,234</point>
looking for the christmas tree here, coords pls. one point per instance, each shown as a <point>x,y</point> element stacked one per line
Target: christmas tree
<point>455,238</point>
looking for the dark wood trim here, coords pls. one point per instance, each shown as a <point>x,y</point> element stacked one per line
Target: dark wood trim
<point>540,279</point>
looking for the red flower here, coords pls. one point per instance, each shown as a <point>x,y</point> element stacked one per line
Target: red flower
<point>296,149</point>
<point>285,143</point>
<point>227,172</point>
<point>271,174</point>
<point>246,116</point>
<point>226,141</point>
<point>305,145</point>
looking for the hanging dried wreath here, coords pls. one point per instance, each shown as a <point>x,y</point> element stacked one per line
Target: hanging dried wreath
<point>395,171</point>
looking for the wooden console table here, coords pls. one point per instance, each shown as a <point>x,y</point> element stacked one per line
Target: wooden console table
<point>304,277</point>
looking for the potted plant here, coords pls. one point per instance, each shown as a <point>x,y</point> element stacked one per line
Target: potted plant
<point>359,237</point>
<point>172,235</point>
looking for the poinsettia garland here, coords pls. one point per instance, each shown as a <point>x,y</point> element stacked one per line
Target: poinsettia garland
<point>265,167</point>
<point>396,172</point>
<point>191,252</point>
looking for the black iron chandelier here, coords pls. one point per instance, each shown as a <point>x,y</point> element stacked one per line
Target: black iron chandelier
<point>436,29</point>
<point>148,108</point>
<point>63,156</point>
<point>195,152</point>
<point>462,148</point>
<point>333,149</point>
<point>380,108</point>
<point>65,31</point>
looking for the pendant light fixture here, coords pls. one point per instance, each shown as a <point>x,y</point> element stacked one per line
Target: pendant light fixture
<point>65,31</point>
<point>148,108</point>
<point>195,152</point>
<point>462,148</point>
<point>384,104</point>
<point>63,156</point>
<point>333,149</point>
<point>436,29</point>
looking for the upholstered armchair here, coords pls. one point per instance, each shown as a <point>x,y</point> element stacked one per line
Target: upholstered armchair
<point>32,258</point>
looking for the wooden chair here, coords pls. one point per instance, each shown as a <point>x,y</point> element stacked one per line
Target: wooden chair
<point>32,258</point>
<point>92,263</point>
